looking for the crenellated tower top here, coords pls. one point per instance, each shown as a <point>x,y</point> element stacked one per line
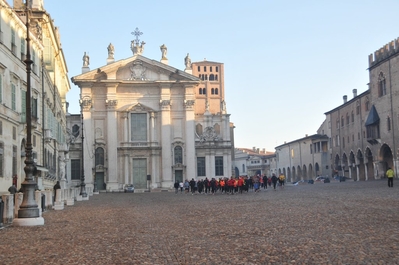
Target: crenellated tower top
<point>392,48</point>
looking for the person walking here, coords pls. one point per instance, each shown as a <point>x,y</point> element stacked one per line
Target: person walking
<point>176,187</point>
<point>181,185</point>
<point>274,181</point>
<point>390,175</point>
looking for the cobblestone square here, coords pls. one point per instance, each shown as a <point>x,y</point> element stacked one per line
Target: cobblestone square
<point>335,223</point>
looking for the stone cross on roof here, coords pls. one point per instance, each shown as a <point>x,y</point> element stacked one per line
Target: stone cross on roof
<point>137,33</point>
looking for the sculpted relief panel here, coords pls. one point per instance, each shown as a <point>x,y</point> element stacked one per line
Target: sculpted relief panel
<point>140,71</point>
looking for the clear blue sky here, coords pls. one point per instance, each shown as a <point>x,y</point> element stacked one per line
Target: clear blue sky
<point>286,62</point>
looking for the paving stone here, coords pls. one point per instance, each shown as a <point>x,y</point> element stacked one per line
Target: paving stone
<point>335,223</point>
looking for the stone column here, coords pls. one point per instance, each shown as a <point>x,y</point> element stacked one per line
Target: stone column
<point>126,169</point>
<point>125,127</point>
<point>365,172</point>
<point>8,212</point>
<point>112,140</point>
<point>152,128</point>
<point>166,145</point>
<point>88,125</point>
<point>357,173</point>
<point>190,139</point>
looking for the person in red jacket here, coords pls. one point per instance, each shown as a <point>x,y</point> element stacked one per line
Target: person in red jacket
<point>240,184</point>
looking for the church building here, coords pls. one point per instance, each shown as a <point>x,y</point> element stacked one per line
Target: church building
<point>149,124</point>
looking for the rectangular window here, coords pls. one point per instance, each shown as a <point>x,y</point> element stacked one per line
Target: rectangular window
<point>14,133</point>
<point>13,45</point>
<point>13,97</point>
<point>217,69</point>
<point>34,61</point>
<point>210,68</point>
<point>34,140</point>
<point>1,127</point>
<point>34,108</point>
<point>23,49</point>
<point>75,169</point>
<point>204,68</point>
<point>23,106</point>
<point>14,160</point>
<point>199,68</point>
<point>139,127</point>
<point>219,165</point>
<point>343,142</point>
<point>200,166</point>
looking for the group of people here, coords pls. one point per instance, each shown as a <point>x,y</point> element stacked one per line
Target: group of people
<point>233,185</point>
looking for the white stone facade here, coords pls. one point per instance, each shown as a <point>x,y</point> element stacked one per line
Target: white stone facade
<point>141,127</point>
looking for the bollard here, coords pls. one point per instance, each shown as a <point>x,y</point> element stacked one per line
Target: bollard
<point>43,202</point>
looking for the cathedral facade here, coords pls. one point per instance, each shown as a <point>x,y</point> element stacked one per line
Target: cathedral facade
<point>149,124</point>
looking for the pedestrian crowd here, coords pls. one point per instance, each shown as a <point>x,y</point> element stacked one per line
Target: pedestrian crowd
<point>233,185</point>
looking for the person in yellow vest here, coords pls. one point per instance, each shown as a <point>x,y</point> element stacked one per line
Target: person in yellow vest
<point>390,175</point>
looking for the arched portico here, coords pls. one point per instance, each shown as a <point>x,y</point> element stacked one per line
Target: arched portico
<point>289,175</point>
<point>311,173</point>
<point>360,165</point>
<point>344,165</point>
<point>385,158</point>
<point>304,172</point>
<point>352,166</point>
<point>299,173</point>
<point>369,166</point>
<point>294,177</point>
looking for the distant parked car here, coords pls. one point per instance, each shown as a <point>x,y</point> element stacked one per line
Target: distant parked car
<point>320,178</point>
<point>129,188</point>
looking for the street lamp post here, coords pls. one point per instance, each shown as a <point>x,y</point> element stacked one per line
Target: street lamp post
<point>28,213</point>
<point>82,177</point>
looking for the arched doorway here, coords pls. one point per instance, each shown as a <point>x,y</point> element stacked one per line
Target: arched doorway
<point>294,177</point>
<point>369,164</point>
<point>337,165</point>
<point>289,176</point>
<point>352,166</point>
<point>299,173</point>
<point>344,165</point>
<point>311,173</point>
<point>284,172</point>
<point>386,159</point>
<point>317,169</point>
<point>304,173</point>
<point>360,165</point>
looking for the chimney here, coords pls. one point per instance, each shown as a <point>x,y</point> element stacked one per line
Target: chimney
<point>257,150</point>
<point>254,148</point>
<point>354,92</point>
<point>345,98</point>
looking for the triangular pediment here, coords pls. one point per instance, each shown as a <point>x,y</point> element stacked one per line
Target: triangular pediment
<point>135,108</point>
<point>136,69</point>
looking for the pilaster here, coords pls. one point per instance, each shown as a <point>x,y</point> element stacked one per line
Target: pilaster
<point>112,138</point>
<point>190,139</point>
<point>166,143</point>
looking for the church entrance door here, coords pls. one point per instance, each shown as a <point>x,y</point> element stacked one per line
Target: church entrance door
<point>100,180</point>
<point>178,175</point>
<point>140,173</point>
